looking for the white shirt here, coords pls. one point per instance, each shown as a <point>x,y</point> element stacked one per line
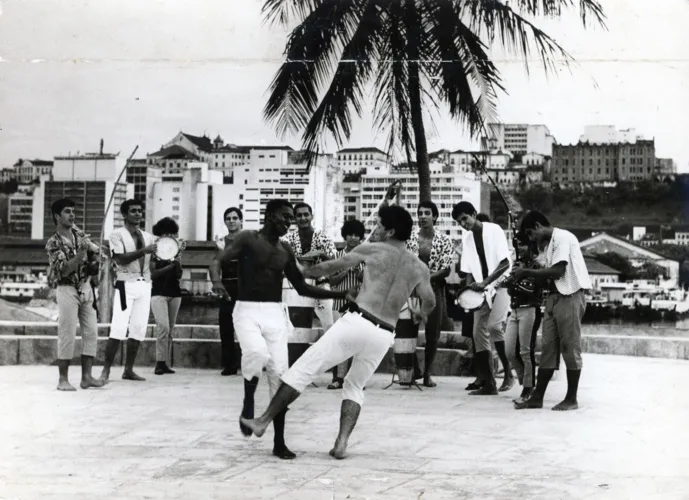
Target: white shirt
<point>494,246</point>
<point>564,247</point>
<point>121,242</point>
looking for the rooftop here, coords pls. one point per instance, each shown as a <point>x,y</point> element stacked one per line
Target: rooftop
<point>177,435</point>
<point>368,149</point>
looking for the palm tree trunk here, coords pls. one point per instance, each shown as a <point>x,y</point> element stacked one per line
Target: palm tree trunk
<point>420,145</point>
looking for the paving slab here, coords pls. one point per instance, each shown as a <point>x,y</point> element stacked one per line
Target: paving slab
<point>176,437</point>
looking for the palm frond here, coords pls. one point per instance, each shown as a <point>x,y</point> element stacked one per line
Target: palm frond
<point>554,8</point>
<point>346,90</point>
<point>516,34</point>
<point>310,51</point>
<point>391,103</point>
<point>280,12</point>
<point>465,77</point>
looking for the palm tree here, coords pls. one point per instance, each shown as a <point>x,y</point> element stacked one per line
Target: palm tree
<point>414,54</point>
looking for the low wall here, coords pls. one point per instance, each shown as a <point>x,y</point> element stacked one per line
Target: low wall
<point>197,346</point>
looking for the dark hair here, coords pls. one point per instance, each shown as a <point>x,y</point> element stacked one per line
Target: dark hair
<point>59,205</point>
<point>301,204</point>
<point>431,205</point>
<point>233,209</point>
<point>461,208</point>
<point>126,204</point>
<point>353,227</point>
<point>483,217</point>
<point>397,218</point>
<point>530,219</point>
<point>274,205</point>
<point>166,225</point>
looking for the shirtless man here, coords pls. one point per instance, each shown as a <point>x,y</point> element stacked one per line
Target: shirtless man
<point>260,318</point>
<point>366,333</point>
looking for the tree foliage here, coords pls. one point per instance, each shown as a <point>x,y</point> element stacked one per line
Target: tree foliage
<point>414,55</point>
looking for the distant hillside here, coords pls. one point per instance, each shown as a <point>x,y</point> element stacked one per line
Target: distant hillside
<point>621,207</point>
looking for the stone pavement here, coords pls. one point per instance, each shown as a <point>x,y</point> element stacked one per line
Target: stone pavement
<point>176,437</point>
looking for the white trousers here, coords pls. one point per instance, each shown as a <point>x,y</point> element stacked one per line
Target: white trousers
<point>263,329</point>
<point>351,336</point>
<point>135,316</point>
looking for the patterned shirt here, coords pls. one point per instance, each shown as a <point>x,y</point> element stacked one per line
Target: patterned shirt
<point>350,280</point>
<point>564,247</point>
<point>320,242</point>
<point>442,250</point>
<point>59,253</point>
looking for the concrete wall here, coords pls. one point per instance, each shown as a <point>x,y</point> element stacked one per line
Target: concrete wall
<point>199,346</point>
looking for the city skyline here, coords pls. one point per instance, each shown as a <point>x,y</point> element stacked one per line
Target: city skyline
<point>138,74</point>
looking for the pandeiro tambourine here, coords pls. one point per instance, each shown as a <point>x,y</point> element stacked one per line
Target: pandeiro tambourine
<point>167,248</point>
<point>470,300</point>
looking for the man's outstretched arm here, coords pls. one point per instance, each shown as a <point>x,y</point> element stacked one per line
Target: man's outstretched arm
<point>330,267</point>
<point>295,276</point>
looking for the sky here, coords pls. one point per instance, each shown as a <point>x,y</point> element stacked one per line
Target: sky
<point>137,72</point>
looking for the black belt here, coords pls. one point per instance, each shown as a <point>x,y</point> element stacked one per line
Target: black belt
<point>354,308</point>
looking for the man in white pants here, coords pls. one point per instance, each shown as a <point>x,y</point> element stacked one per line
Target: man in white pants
<point>260,318</point>
<point>131,250</point>
<point>366,333</point>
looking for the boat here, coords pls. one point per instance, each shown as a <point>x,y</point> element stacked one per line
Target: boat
<point>19,292</point>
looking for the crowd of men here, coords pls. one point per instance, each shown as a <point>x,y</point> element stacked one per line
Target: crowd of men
<point>359,291</point>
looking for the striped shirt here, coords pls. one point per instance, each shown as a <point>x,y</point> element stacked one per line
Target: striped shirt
<point>351,279</point>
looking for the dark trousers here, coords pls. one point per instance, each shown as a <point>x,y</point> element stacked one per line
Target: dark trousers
<point>231,352</point>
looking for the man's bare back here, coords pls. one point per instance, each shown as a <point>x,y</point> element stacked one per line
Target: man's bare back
<point>390,276</point>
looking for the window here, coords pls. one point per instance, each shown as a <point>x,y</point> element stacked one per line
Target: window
<point>175,198</point>
<point>175,208</point>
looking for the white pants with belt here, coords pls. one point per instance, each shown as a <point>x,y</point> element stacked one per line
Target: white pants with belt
<point>351,336</point>
<point>262,329</point>
<point>135,317</point>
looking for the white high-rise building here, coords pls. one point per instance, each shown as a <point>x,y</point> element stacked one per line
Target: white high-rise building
<point>89,180</point>
<point>281,173</point>
<point>187,198</point>
<point>518,138</point>
<point>447,189</point>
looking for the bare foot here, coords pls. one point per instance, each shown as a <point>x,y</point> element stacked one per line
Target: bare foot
<point>339,451</point>
<point>104,377</point>
<point>89,381</point>
<point>64,385</point>
<point>428,381</point>
<point>566,406</point>
<point>507,384</point>
<point>256,426</point>
<point>526,392</point>
<point>528,404</point>
<point>132,376</point>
